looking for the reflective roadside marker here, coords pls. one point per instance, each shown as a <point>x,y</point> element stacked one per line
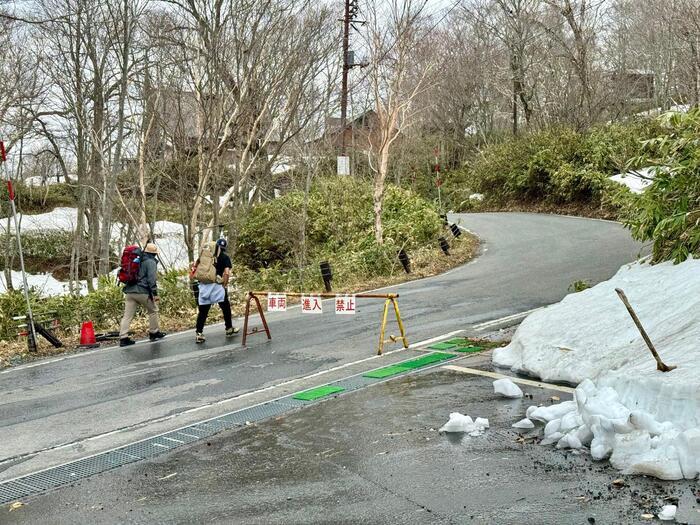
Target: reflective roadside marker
<point>444,245</point>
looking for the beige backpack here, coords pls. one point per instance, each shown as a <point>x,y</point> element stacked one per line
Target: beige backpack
<point>206,268</point>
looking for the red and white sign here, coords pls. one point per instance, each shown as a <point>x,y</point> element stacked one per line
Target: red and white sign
<point>276,302</point>
<point>311,304</point>
<point>345,305</point>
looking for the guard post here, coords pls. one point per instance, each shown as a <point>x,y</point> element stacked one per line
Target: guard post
<point>390,300</point>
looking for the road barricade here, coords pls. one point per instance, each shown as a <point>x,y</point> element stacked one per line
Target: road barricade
<point>311,303</point>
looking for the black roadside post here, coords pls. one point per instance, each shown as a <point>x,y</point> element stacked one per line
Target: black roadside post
<point>444,246</point>
<point>455,230</point>
<point>404,260</point>
<point>444,219</point>
<point>327,275</point>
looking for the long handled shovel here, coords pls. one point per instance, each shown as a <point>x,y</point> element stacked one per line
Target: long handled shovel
<point>660,365</point>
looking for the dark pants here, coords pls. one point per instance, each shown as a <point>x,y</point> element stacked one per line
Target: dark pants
<point>204,311</point>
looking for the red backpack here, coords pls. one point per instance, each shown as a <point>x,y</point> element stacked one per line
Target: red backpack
<point>131,262</point>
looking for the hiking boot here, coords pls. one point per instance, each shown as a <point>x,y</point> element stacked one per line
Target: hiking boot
<point>230,332</point>
<point>199,337</point>
<point>126,341</point>
<point>154,336</point>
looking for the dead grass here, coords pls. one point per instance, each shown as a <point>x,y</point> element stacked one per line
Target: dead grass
<point>423,264</point>
<point>576,210</point>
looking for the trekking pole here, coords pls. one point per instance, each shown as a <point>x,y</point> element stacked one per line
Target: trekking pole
<point>11,192</point>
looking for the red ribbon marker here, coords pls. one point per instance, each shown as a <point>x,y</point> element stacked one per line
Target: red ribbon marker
<point>3,158</point>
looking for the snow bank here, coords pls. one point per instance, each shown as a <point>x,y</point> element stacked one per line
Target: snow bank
<point>58,219</point>
<point>169,237</point>
<point>645,421</point>
<point>44,283</point>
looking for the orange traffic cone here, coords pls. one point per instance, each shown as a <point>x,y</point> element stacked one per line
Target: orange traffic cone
<point>87,335</point>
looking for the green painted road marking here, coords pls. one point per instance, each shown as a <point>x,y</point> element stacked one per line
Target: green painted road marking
<point>426,360</point>
<point>468,349</point>
<point>442,346</point>
<point>387,371</point>
<point>411,364</point>
<point>316,393</point>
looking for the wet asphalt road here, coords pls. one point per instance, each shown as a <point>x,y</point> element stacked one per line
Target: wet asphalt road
<point>64,409</point>
<point>372,456</point>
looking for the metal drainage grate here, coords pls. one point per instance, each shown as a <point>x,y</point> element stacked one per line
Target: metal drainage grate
<point>55,477</point>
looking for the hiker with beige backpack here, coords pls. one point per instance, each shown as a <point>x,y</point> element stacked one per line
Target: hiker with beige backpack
<point>213,270</point>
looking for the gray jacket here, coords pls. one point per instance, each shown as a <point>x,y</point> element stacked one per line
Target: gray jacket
<point>148,272</point>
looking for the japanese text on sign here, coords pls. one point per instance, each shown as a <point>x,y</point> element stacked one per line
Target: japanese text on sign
<point>345,304</point>
<point>311,304</point>
<point>276,302</point>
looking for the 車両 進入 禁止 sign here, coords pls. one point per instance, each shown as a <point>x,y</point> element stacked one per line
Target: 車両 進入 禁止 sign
<point>276,302</point>
<point>345,304</point>
<point>311,304</point>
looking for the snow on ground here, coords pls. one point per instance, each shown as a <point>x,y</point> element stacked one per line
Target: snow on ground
<point>58,219</point>
<point>644,420</point>
<point>655,112</point>
<point>169,237</point>
<point>44,283</point>
<point>507,388</point>
<point>461,423</point>
<point>637,180</point>
<point>48,181</point>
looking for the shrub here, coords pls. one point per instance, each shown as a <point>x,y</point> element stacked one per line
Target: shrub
<point>557,166</point>
<point>104,307</point>
<point>668,212</point>
<point>339,229</point>
<point>31,199</point>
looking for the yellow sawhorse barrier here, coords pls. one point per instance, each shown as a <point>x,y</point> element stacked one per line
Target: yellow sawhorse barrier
<point>389,300</point>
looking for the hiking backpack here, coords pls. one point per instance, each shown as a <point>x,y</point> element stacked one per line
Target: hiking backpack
<point>131,263</point>
<point>206,267</point>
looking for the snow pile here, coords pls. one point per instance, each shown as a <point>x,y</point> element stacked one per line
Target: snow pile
<point>461,423</point>
<point>646,421</point>
<point>524,424</point>
<point>668,513</point>
<point>507,388</point>
<point>637,181</point>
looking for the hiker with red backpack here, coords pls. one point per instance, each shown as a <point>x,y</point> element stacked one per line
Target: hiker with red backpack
<point>213,269</point>
<point>138,273</point>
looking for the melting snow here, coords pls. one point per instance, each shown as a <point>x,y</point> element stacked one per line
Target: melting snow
<point>507,388</point>
<point>645,421</point>
<point>461,423</point>
<point>637,180</point>
<point>169,237</point>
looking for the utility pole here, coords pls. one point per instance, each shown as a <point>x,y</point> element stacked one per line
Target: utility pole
<point>349,19</point>
<point>346,71</point>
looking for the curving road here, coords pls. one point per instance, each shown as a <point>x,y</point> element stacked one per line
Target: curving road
<point>69,407</point>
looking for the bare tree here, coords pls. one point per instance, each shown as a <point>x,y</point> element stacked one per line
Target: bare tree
<point>256,71</point>
<point>394,84</point>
